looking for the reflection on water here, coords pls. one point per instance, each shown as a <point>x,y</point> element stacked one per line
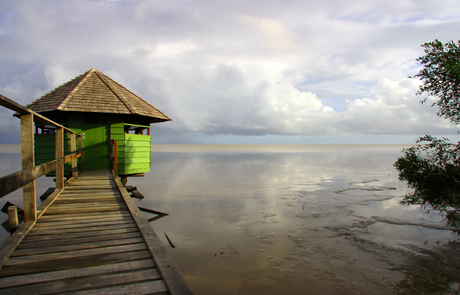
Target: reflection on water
<point>295,220</point>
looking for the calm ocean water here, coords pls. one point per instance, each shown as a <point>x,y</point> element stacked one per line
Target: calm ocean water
<point>290,219</point>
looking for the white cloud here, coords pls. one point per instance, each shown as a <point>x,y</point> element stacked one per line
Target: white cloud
<point>304,68</point>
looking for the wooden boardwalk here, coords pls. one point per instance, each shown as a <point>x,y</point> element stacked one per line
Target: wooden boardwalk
<point>91,240</point>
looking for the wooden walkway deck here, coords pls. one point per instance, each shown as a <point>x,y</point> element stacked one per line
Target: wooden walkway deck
<point>91,240</point>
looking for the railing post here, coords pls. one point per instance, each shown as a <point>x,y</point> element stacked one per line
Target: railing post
<point>59,154</point>
<point>73,149</point>
<point>115,157</point>
<point>13,220</point>
<point>80,147</point>
<point>28,161</point>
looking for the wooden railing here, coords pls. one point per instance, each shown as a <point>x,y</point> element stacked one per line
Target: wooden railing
<point>26,178</point>
<point>114,156</point>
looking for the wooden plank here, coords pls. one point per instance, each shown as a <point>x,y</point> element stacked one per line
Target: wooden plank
<point>93,177</point>
<point>96,206</point>
<point>88,216</point>
<point>74,225</point>
<point>84,271</point>
<point>63,219</point>
<point>88,201</point>
<point>60,226</point>
<point>26,244</point>
<point>91,185</point>
<point>74,262</point>
<point>82,192</point>
<point>95,180</point>
<point>150,287</point>
<point>108,215</point>
<point>73,254</point>
<point>88,176</point>
<point>81,184</point>
<point>82,209</point>
<point>86,282</point>
<point>35,232</point>
<point>87,210</point>
<point>88,196</point>
<point>64,230</point>
<point>50,237</point>
<point>88,205</point>
<point>91,189</point>
<point>85,199</point>
<point>62,203</point>
<point>76,246</point>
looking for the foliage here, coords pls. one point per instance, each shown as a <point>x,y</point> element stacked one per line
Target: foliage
<point>432,166</point>
<point>441,77</point>
<point>433,171</point>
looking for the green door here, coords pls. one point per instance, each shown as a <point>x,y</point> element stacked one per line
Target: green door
<point>96,147</point>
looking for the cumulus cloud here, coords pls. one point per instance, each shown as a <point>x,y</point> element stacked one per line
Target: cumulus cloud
<point>297,68</point>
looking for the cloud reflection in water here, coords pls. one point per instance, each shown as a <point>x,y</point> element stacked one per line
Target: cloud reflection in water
<point>286,220</point>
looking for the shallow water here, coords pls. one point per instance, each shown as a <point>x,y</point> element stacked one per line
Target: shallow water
<point>294,220</point>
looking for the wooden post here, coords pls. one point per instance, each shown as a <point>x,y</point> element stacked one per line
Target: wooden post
<point>59,154</point>
<point>73,149</point>
<point>28,161</point>
<point>80,147</point>
<point>115,157</point>
<point>13,220</point>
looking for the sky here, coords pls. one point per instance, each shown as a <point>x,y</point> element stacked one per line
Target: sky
<point>290,71</point>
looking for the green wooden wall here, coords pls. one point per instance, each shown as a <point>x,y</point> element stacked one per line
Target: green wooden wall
<point>134,150</point>
<point>96,147</point>
<point>45,150</point>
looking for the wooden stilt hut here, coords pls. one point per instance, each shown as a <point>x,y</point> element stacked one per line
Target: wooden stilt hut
<point>101,109</point>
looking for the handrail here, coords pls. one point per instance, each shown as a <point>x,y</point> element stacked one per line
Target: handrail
<point>14,106</point>
<point>14,181</point>
<point>30,172</point>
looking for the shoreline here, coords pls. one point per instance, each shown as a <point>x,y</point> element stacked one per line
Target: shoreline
<point>247,148</point>
<point>270,148</point>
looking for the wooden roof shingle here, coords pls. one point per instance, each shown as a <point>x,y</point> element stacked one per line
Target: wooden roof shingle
<point>95,92</point>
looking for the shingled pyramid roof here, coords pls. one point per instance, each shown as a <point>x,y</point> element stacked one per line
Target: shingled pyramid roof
<point>95,92</point>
